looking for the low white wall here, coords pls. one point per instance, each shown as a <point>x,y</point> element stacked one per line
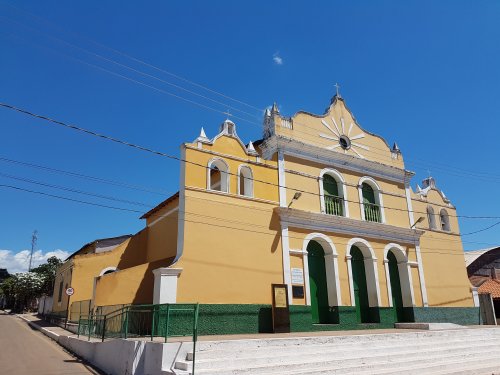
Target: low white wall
<point>118,357</point>
<point>45,304</point>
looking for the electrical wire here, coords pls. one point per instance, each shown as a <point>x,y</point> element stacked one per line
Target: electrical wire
<point>163,154</point>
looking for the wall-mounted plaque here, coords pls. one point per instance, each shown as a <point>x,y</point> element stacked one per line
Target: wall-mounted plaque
<point>297,276</point>
<point>297,291</point>
<point>281,314</point>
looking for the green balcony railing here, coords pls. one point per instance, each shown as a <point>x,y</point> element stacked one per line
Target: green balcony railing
<point>334,205</point>
<point>372,212</point>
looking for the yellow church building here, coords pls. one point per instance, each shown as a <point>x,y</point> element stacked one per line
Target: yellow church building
<point>318,204</point>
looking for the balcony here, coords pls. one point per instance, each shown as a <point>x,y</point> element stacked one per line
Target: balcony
<point>372,212</point>
<point>334,205</point>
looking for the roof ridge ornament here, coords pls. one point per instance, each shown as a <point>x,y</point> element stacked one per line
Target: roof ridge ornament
<point>337,90</point>
<point>203,137</point>
<point>251,149</point>
<point>275,109</point>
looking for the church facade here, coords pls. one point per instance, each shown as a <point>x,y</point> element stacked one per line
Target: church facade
<point>319,204</point>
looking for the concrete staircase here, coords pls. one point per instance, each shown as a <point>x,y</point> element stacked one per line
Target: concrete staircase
<point>459,351</point>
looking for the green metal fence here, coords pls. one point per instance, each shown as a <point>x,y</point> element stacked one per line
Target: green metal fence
<point>78,309</point>
<point>137,321</point>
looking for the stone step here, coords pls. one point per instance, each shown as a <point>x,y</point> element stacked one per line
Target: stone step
<point>332,348</point>
<point>348,365</point>
<point>408,366</point>
<point>295,341</point>
<point>340,354</point>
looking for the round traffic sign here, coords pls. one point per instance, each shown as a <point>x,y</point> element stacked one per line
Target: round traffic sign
<point>70,291</point>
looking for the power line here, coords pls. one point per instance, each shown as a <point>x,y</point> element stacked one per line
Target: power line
<point>87,177</point>
<point>163,154</point>
<point>74,190</point>
<point>475,173</point>
<point>68,199</point>
<point>162,70</point>
<point>135,70</point>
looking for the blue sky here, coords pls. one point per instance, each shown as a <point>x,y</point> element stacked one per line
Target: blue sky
<point>419,73</point>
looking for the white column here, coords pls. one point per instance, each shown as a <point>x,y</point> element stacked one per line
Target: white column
<point>423,289</point>
<point>388,280</point>
<point>332,280</point>
<point>285,249</point>
<point>165,287</point>
<point>281,179</point>
<point>307,286</point>
<point>351,282</point>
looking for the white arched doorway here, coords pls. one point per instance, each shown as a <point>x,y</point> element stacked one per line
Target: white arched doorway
<point>398,278</point>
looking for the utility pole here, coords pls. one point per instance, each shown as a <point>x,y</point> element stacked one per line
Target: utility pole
<point>34,237</point>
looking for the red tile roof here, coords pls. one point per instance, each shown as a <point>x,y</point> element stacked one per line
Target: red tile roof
<point>491,286</point>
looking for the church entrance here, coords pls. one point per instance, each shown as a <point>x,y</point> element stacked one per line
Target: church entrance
<point>397,295</point>
<point>359,285</point>
<point>317,282</point>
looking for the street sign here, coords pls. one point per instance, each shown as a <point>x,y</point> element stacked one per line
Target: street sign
<point>70,291</point>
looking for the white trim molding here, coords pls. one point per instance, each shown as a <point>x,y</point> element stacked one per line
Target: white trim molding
<point>165,285</point>
<point>404,271</point>
<point>224,174</point>
<point>321,155</point>
<point>281,179</point>
<point>342,189</point>
<point>379,199</point>
<point>338,224</point>
<point>107,269</point>
<point>248,181</point>
<point>331,268</point>
<point>371,270</point>
<point>285,249</point>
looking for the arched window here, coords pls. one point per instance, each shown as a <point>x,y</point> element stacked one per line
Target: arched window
<point>245,181</point>
<point>371,201</point>
<point>431,218</point>
<point>218,176</point>
<point>445,220</point>
<point>332,195</point>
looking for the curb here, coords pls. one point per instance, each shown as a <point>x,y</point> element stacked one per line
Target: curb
<point>45,331</point>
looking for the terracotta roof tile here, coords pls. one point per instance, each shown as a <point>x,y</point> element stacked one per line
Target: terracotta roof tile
<point>491,286</point>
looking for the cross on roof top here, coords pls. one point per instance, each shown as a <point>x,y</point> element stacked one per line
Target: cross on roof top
<point>227,113</point>
<point>337,87</point>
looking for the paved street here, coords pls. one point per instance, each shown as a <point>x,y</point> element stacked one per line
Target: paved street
<point>24,351</point>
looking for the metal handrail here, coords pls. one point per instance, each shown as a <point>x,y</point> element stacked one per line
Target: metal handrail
<point>334,205</point>
<point>372,212</point>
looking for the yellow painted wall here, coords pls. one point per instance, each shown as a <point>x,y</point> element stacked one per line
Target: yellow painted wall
<point>162,236</point>
<point>133,285</point>
<point>232,250</point>
<point>64,274</point>
<point>442,255</point>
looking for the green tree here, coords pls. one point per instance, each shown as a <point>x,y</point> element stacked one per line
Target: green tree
<point>48,272</point>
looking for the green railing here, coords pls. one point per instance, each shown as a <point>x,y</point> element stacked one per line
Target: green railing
<point>372,212</point>
<point>334,205</point>
<point>136,321</point>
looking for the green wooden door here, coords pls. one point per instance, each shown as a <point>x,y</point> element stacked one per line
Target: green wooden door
<point>360,288</point>
<point>317,282</point>
<point>397,296</point>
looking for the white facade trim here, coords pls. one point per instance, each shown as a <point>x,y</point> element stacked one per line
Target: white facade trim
<point>182,207</point>
<point>285,247</point>
<point>163,216</point>
<point>107,269</point>
<point>340,180</point>
<point>351,282</point>
<point>379,199</point>
<point>342,225</point>
<point>371,271</point>
<point>281,179</point>
<point>321,155</point>
<point>165,285</point>
<point>224,174</point>
<point>404,271</point>
<point>248,181</point>
<point>331,268</point>
<point>421,276</point>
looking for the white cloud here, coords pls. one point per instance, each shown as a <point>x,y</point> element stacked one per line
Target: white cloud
<point>19,262</point>
<point>278,60</point>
